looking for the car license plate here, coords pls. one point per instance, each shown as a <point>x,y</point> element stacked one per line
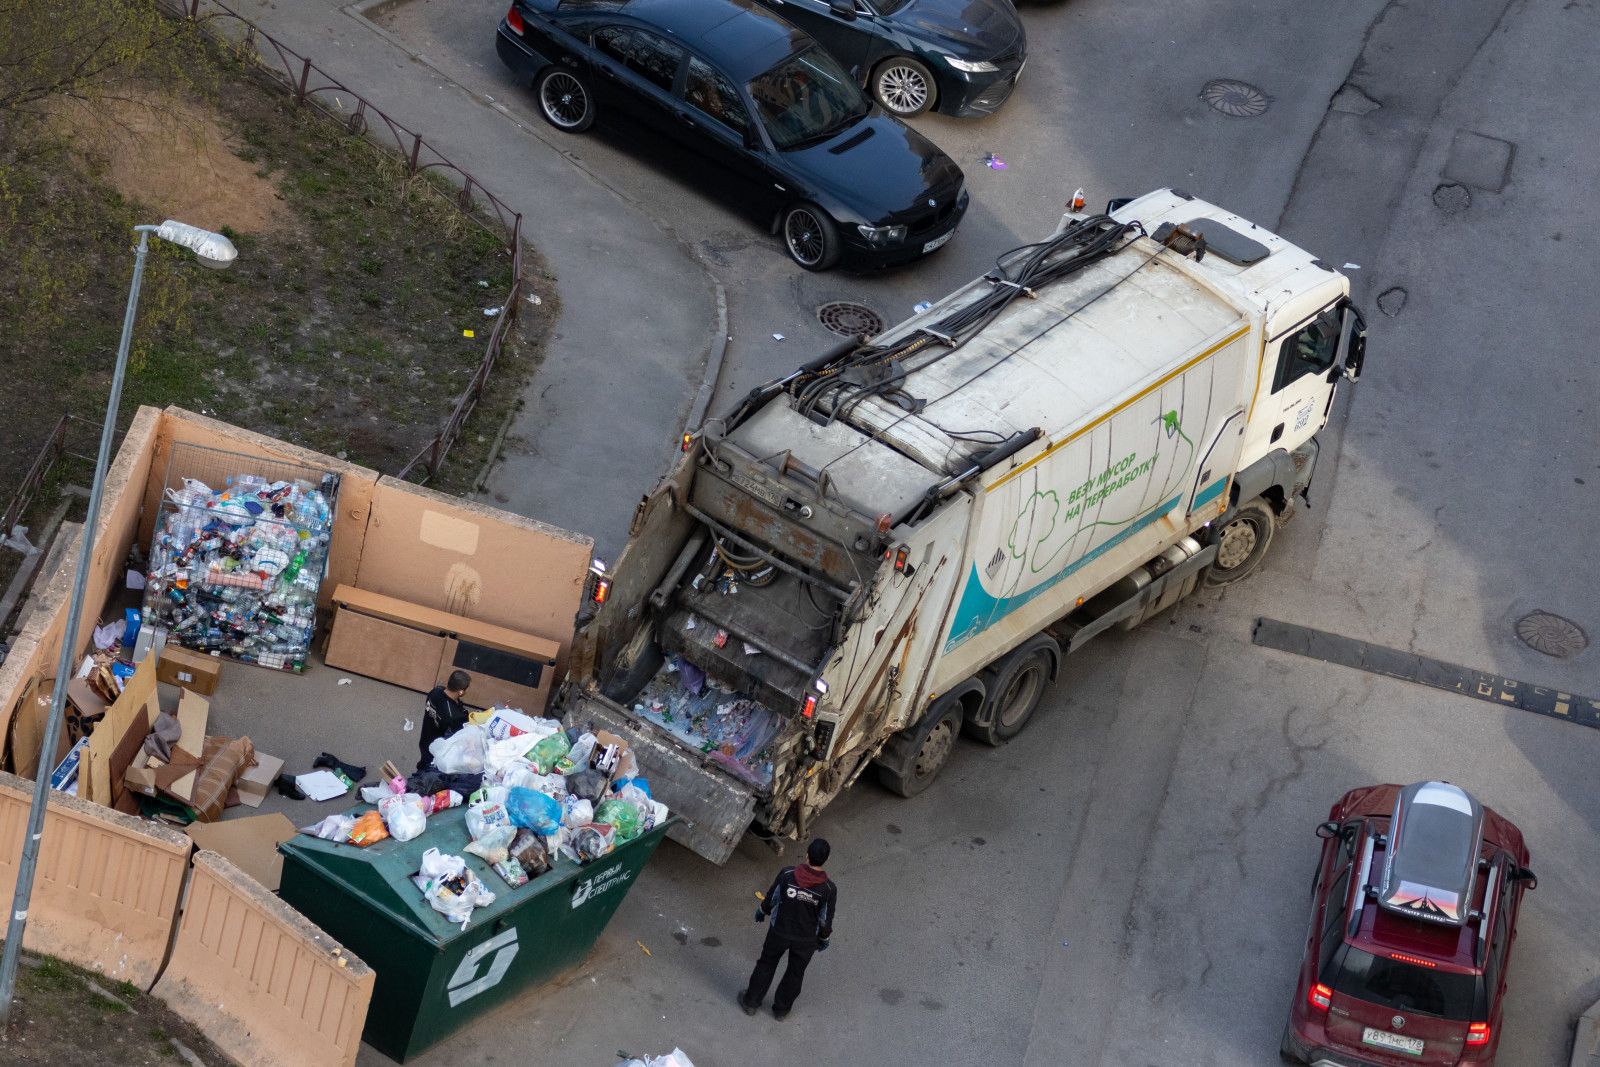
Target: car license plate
<point>936,242</point>
<point>1384,1039</point>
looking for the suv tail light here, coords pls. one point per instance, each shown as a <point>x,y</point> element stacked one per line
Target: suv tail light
<point>514,20</point>
<point>1321,996</point>
<point>1478,1034</point>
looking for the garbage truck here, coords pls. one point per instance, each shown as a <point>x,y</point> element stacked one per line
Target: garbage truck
<point>898,542</point>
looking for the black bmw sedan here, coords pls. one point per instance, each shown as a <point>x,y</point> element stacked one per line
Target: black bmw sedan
<point>753,110</point>
<point>956,57</point>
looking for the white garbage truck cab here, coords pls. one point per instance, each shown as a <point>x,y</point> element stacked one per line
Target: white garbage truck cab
<point>896,543</point>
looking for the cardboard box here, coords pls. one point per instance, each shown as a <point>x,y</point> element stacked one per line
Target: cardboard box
<point>190,670</point>
<point>254,783</point>
<point>252,844</point>
<point>141,774</point>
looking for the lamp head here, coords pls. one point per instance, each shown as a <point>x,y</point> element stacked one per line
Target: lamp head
<point>211,249</point>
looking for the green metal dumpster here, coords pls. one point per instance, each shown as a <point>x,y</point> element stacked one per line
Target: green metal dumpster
<point>433,978</point>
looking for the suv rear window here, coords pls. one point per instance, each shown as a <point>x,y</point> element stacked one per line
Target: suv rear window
<point>1406,986</point>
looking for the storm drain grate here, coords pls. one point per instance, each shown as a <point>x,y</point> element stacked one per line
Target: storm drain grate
<point>1235,99</point>
<point>1551,634</point>
<point>849,319</point>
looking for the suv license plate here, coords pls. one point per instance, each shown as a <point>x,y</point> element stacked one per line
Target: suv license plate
<point>936,242</point>
<point>1384,1039</point>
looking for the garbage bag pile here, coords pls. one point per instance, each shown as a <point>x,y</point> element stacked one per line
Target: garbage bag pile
<point>729,726</point>
<point>236,570</point>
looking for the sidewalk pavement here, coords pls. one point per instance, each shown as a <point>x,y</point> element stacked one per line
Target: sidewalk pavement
<point>638,316</point>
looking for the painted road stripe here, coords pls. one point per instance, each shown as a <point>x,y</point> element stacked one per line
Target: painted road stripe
<point>1434,673</point>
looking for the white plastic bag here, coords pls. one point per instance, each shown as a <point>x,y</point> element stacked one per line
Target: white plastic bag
<point>404,816</point>
<point>500,756</point>
<point>335,828</point>
<point>582,749</point>
<point>494,845</point>
<point>484,817</point>
<point>460,753</point>
<point>576,812</point>
<point>436,866</point>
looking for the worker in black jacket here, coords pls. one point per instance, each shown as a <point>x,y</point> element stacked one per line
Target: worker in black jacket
<point>443,714</point>
<point>800,904</point>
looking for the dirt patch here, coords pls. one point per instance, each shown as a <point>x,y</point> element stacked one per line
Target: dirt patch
<point>179,163</point>
<point>59,1019</point>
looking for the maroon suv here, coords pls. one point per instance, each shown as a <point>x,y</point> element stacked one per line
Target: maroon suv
<point>1413,913</point>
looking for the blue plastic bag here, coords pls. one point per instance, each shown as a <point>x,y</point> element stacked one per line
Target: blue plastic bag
<point>537,811</point>
<point>644,786</point>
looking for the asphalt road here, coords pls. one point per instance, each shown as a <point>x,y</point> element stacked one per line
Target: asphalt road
<point>1127,886</point>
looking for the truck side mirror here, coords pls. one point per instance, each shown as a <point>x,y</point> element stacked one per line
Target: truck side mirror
<point>844,9</point>
<point>1354,344</point>
<point>1328,831</point>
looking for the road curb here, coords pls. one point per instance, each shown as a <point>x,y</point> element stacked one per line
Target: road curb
<point>718,344</point>
<point>1586,1043</point>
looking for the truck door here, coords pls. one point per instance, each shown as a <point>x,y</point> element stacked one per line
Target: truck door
<point>1301,389</point>
<point>1217,464</point>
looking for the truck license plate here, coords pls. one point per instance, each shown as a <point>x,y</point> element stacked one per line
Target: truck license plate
<point>1384,1039</point>
<point>936,242</point>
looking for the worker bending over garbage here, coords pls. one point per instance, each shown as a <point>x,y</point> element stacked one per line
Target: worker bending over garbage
<point>443,714</point>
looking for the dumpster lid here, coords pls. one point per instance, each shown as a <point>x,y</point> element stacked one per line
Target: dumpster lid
<point>380,874</point>
<point>714,807</point>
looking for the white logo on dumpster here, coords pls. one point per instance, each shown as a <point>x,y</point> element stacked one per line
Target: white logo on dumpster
<point>466,983</point>
<point>592,887</point>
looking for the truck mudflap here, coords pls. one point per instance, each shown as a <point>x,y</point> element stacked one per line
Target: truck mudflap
<point>715,807</point>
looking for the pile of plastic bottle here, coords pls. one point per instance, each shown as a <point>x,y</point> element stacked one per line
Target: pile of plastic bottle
<point>236,570</point>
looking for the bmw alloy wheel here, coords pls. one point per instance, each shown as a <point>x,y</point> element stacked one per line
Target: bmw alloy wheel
<point>803,232</point>
<point>565,100</point>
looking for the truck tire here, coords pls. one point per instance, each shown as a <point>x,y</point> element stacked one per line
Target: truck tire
<point>1015,686</point>
<point>927,750</point>
<point>1242,542</point>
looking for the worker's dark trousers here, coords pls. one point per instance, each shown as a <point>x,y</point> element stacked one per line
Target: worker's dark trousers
<point>767,966</point>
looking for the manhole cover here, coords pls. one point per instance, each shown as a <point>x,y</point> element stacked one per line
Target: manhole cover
<point>1235,99</point>
<point>849,319</point>
<point>1452,199</point>
<point>1551,634</point>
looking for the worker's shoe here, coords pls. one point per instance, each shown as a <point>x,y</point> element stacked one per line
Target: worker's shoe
<point>780,1015</point>
<point>749,1009</point>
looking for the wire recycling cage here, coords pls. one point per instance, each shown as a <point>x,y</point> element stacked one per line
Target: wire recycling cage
<point>239,552</point>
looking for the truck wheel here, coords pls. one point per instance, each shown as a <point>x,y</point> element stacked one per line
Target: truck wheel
<point>1242,543</point>
<point>931,746</point>
<point>1018,684</point>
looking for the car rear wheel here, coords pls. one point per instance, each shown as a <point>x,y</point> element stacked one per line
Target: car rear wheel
<point>930,750</point>
<point>564,99</point>
<point>811,237</point>
<point>903,86</point>
<point>1242,543</point>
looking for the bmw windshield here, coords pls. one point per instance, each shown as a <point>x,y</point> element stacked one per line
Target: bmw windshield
<point>806,98</point>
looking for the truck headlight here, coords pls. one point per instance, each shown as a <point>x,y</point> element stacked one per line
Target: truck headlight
<point>982,66</point>
<point>882,236</point>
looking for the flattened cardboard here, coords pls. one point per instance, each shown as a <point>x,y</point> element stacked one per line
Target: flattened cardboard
<point>252,844</point>
<point>27,730</point>
<point>111,749</point>
<point>193,710</point>
<point>254,783</point>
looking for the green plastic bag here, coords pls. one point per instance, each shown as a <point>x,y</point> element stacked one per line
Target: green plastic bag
<point>546,752</point>
<point>621,814</point>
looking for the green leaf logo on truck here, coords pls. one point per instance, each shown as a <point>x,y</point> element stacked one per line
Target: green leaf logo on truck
<point>1046,527</point>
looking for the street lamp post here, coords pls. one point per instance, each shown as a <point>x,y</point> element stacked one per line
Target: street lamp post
<point>212,250</point>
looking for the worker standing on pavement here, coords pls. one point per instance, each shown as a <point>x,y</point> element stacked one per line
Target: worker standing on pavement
<point>800,904</point>
<point>442,714</point>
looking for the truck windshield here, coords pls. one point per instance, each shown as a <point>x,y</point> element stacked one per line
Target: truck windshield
<point>1405,986</point>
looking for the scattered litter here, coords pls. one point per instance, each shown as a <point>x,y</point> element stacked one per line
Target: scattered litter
<point>993,162</point>
<point>410,726</point>
<point>918,309</point>
<point>646,952</point>
<point>534,299</point>
<point>777,337</point>
<point>1066,944</point>
<point>490,312</point>
<point>344,681</point>
<point>19,541</point>
<point>751,650</point>
<point>689,625</point>
<point>484,284</point>
<point>135,580</point>
<point>322,785</point>
<point>466,333</point>
<point>1351,266</point>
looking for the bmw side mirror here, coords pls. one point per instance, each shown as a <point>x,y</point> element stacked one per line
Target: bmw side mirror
<point>1328,831</point>
<point>1525,874</point>
<point>844,9</point>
